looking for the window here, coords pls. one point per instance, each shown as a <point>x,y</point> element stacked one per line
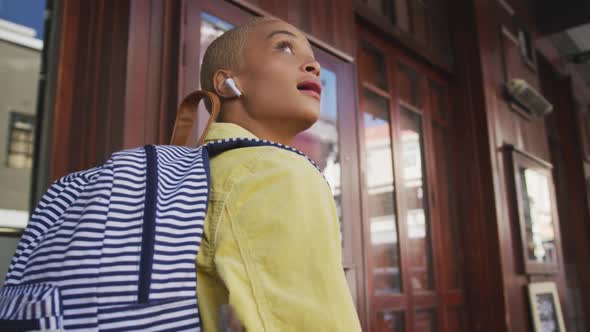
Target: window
<point>20,140</point>
<point>22,25</point>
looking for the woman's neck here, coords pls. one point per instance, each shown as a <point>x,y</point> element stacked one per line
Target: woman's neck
<point>275,131</point>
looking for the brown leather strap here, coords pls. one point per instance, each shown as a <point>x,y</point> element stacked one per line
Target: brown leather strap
<point>185,118</point>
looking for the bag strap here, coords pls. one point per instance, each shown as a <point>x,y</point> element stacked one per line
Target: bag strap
<point>186,115</point>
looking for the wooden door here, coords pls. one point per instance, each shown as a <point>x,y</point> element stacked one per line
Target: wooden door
<point>412,253</point>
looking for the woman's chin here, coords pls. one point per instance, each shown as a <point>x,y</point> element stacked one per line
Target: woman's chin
<point>309,117</point>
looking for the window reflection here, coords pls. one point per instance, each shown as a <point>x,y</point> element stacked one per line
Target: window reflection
<point>211,28</point>
<point>20,143</point>
<point>320,142</point>
<point>414,188</point>
<point>21,44</point>
<point>538,216</point>
<point>380,185</point>
<point>390,321</point>
<point>20,64</point>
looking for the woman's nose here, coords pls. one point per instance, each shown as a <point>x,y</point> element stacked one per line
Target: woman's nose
<point>313,67</point>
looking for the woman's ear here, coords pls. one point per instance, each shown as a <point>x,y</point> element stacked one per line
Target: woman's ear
<point>221,88</point>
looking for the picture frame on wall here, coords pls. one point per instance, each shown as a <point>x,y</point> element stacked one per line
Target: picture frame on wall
<point>534,210</point>
<point>545,307</point>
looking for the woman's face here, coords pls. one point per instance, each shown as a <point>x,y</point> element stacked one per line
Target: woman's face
<point>279,77</point>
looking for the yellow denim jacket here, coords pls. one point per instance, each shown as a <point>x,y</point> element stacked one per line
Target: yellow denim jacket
<point>271,243</point>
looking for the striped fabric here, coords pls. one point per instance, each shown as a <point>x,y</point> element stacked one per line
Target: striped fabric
<point>113,248</point>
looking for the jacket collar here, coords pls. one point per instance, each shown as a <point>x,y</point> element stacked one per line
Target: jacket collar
<point>227,130</point>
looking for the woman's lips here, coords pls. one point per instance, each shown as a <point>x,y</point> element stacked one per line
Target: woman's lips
<point>312,88</point>
<point>311,93</point>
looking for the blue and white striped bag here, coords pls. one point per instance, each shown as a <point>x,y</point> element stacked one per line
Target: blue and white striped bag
<point>113,248</point>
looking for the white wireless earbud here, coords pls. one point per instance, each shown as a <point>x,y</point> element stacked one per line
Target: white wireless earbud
<point>230,83</point>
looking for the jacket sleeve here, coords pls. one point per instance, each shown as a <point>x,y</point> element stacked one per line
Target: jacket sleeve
<point>277,250</point>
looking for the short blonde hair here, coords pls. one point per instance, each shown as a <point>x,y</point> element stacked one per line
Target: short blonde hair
<point>226,50</point>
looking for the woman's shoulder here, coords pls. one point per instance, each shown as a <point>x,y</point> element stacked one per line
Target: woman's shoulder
<point>235,166</point>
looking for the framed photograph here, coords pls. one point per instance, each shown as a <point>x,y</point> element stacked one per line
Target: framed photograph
<point>534,210</point>
<point>545,307</point>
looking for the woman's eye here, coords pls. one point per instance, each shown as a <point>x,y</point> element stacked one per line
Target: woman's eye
<point>286,47</point>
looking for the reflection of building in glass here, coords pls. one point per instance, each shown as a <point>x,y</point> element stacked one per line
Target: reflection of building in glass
<point>539,217</point>
<point>321,140</point>
<point>380,189</point>
<point>412,174</point>
<point>211,28</point>
<point>20,58</point>
<point>381,181</point>
<point>382,209</point>
<point>20,140</point>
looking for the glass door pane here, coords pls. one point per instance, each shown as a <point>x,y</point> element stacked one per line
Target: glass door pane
<point>381,199</point>
<point>416,201</point>
<point>21,47</point>
<point>211,28</point>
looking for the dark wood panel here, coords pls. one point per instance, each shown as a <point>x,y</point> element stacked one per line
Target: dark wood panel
<point>567,155</point>
<point>500,59</point>
<point>405,33</point>
<point>152,72</point>
<point>61,148</point>
<point>330,21</point>
<point>90,85</point>
<point>117,79</point>
<point>475,189</point>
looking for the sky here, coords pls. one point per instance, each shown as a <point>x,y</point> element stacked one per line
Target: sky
<point>29,13</point>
